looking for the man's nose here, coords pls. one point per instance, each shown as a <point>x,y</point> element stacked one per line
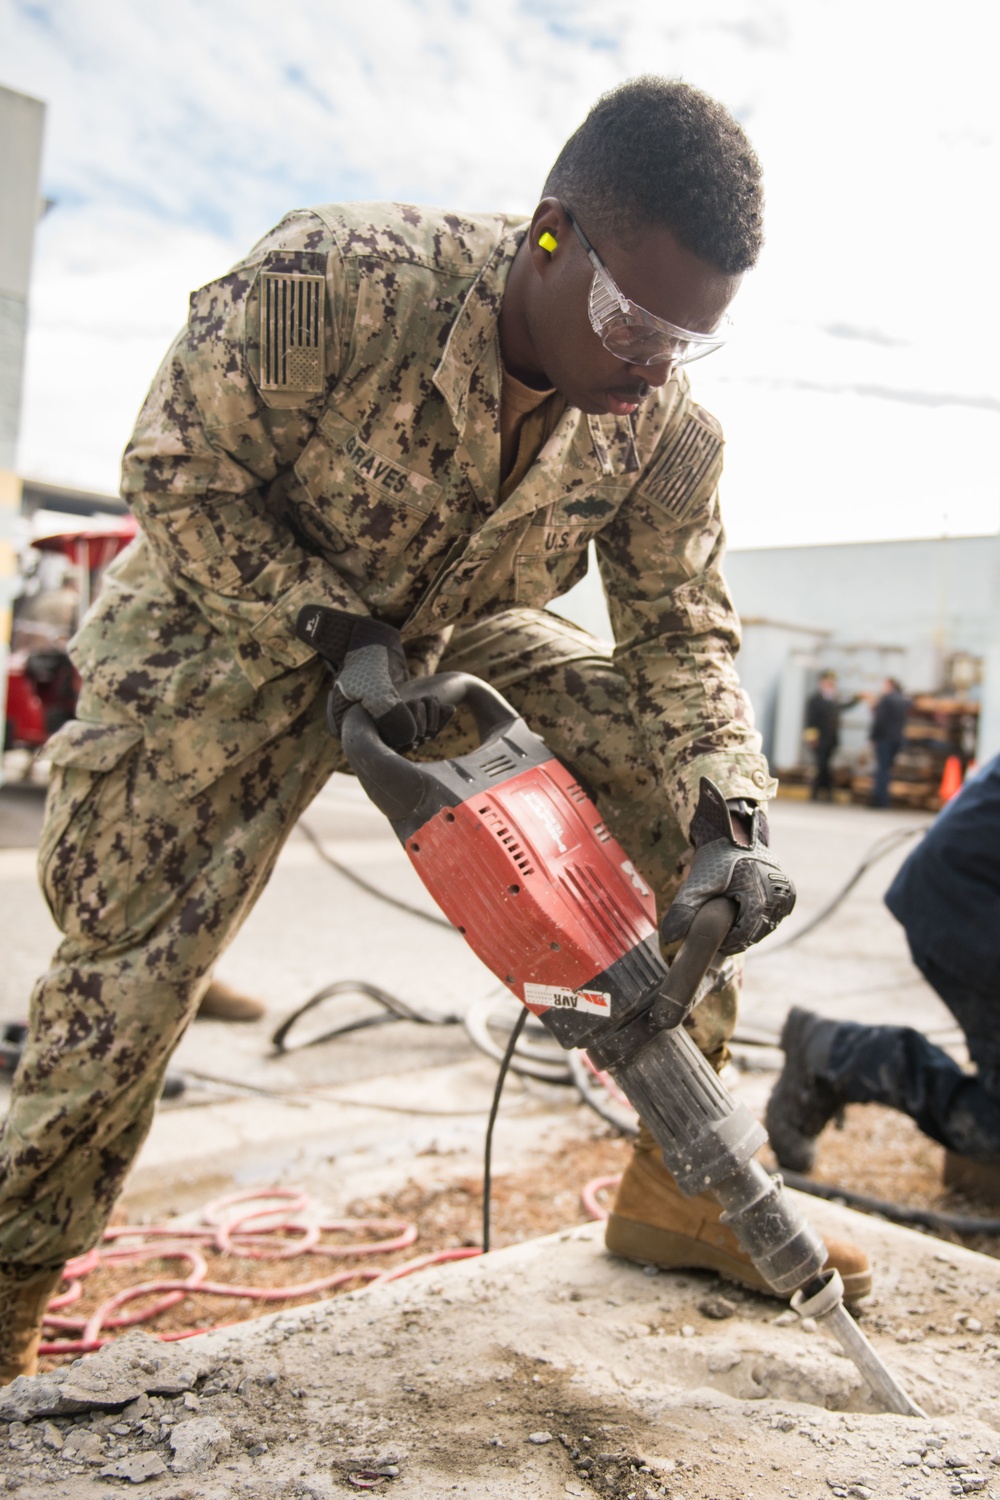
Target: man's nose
<point>654,375</point>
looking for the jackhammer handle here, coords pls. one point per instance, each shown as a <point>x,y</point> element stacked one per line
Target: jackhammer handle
<point>394,783</point>
<point>489,709</point>
<point>705,936</point>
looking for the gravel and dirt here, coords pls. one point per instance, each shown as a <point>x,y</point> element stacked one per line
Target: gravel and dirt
<point>880,1153</point>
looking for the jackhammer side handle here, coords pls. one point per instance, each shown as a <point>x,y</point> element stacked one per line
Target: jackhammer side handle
<point>705,936</point>
<point>396,784</point>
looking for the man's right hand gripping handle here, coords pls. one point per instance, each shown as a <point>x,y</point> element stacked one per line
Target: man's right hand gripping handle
<point>369,667</point>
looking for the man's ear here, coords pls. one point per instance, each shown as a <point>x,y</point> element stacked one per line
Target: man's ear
<point>547,234</point>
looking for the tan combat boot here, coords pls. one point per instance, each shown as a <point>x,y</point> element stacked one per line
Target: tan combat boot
<point>653,1222</point>
<point>221,1002</point>
<point>23,1300</point>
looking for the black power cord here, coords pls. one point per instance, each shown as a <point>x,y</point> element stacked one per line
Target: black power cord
<point>516,1030</point>
<point>393,1009</point>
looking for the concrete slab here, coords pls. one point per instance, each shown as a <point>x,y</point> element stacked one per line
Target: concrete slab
<point>548,1369</point>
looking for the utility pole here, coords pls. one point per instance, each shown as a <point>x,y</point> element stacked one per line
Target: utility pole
<point>22,121</point>
<point>989,716</point>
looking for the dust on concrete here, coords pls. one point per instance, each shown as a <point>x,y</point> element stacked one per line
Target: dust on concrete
<point>544,1370</point>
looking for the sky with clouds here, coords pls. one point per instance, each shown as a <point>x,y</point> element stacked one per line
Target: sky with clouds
<point>859,394</point>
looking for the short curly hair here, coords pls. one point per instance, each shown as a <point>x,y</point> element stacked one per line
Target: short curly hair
<point>657,151</point>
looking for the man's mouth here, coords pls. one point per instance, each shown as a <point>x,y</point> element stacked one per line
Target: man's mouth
<point>622,403</point>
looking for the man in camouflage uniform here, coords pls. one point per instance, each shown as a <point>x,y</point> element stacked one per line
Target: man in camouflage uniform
<point>419,421</point>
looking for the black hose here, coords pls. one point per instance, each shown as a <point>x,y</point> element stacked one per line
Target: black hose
<point>372,890</point>
<point>516,1030</point>
<point>880,848</point>
<point>393,1009</point>
<point>927,1218</point>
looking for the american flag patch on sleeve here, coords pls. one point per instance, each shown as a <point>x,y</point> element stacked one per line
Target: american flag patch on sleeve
<point>291,332</point>
<point>681,468</point>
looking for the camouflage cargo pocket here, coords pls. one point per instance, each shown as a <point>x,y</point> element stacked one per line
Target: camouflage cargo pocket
<point>78,852</point>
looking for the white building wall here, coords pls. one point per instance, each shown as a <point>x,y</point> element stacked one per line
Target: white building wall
<point>932,598</point>
<point>866,609</point>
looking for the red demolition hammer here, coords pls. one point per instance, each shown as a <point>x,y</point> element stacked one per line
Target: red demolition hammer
<point>517,857</point>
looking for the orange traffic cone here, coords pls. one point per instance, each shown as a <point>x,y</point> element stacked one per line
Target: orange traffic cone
<point>951,779</point>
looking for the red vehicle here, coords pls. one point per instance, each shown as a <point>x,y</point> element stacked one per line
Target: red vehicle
<point>42,684</point>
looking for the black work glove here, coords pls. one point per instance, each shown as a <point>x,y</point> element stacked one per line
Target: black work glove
<point>750,876</point>
<point>368,665</point>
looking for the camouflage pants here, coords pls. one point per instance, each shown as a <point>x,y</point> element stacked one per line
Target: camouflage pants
<point>149,890</point>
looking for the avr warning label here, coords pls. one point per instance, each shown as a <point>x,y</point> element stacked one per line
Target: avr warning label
<point>596,1002</point>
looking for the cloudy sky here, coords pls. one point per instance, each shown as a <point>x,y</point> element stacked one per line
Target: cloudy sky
<point>860,394</point>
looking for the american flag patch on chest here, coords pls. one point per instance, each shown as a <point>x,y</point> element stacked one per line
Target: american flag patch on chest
<point>677,473</point>
<point>291,332</point>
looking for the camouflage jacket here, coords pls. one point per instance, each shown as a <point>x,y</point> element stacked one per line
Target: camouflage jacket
<point>326,430</point>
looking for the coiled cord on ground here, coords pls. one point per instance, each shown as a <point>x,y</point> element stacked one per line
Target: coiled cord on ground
<point>282,1225</point>
<point>277,1223</point>
<point>393,1009</point>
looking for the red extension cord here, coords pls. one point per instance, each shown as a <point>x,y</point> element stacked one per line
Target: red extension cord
<point>297,1230</point>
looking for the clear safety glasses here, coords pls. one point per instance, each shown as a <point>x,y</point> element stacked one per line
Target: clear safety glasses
<point>631,333</point>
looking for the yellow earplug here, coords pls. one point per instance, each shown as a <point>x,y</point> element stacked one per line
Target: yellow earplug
<point>548,242</point>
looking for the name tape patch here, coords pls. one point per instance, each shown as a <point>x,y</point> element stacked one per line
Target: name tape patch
<point>552,996</point>
<point>378,470</point>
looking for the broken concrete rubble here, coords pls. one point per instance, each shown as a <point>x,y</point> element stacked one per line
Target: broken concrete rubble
<point>134,1365</point>
<point>137,1469</point>
<point>197,1444</point>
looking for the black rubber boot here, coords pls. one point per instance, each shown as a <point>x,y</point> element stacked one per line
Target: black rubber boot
<point>802,1101</point>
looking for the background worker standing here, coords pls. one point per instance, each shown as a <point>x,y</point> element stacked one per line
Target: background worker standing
<point>416,421</point>
<point>822,731</point>
<point>886,734</point>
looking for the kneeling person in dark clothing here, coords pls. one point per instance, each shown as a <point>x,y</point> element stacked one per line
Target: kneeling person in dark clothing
<point>947,897</point>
